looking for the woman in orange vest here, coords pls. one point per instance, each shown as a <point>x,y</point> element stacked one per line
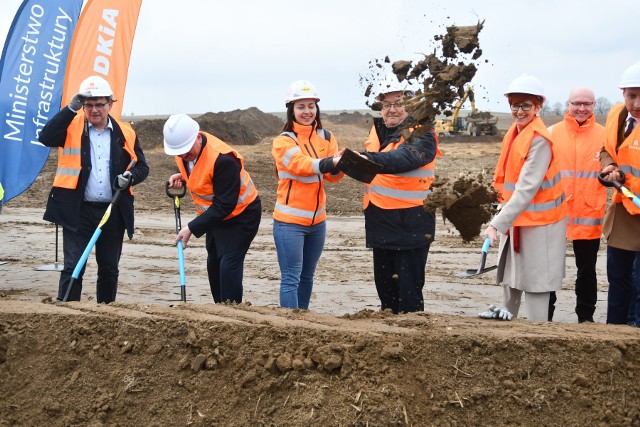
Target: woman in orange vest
<point>305,155</point>
<point>532,221</point>
<point>228,205</point>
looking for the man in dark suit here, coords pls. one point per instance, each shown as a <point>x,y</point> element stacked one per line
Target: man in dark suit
<point>97,155</point>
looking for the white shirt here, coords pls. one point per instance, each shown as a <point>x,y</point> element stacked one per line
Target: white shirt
<point>99,183</point>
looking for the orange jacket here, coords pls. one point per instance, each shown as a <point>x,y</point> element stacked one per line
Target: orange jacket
<point>548,206</point>
<point>69,156</point>
<point>627,156</point>
<point>200,182</point>
<point>402,190</point>
<point>577,149</point>
<point>301,196</point>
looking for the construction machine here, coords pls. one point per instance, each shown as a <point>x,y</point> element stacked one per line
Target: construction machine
<point>476,123</point>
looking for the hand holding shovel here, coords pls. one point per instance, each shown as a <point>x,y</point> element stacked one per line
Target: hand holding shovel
<point>617,184</point>
<point>176,196</point>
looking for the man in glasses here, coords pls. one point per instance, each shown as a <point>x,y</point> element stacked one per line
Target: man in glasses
<point>621,228</point>
<point>577,140</point>
<point>98,155</point>
<point>397,227</point>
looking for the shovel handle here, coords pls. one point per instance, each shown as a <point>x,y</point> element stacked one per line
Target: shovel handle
<point>616,184</point>
<point>172,192</point>
<point>486,245</point>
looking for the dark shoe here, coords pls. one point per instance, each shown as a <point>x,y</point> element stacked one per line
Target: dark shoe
<point>587,320</point>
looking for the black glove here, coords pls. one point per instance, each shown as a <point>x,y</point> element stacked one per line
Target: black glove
<point>78,101</point>
<point>124,179</point>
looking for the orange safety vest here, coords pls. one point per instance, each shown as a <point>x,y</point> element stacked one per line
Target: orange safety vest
<point>200,182</point>
<point>401,190</point>
<point>69,156</point>
<point>627,157</point>
<point>301,196</point>
<point>548,206</point>
<point>577,148</point>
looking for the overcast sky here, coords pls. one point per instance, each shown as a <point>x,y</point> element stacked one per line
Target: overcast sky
<point>195,56</point>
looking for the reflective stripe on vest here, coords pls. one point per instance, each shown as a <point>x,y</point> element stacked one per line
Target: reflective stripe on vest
<point>400,190</point>
<point>548,206</point>
<point>200,181</point>
<point>70,155</point>
<point>627,156</point>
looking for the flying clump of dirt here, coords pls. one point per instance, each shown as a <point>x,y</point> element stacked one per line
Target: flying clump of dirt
<point>441,77</point>
<point>466,202</point>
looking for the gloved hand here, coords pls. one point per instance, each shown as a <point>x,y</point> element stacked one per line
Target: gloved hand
<point>504,314</point>
<point>491,313</point>
<point>78,101</point>
<point>124,179</point>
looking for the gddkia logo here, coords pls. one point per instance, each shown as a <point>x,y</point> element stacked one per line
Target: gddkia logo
<point>635,145</point>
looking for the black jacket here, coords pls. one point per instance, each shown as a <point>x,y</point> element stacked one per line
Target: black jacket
<point>400,229</point>
<point>63,205</point>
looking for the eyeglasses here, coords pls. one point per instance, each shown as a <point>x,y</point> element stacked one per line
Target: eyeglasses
<point>97,106</point>
<point>525,107</point>
<point>397,106</point>
<point>581,104</point>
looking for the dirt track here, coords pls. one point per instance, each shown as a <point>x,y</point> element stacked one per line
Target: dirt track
<point>150,360</point>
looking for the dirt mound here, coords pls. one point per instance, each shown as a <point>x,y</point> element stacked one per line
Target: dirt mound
<point>238,127</point>
<point>355,118</point>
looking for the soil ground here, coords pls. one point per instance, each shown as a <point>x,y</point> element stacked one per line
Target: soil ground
<point>149,359</point>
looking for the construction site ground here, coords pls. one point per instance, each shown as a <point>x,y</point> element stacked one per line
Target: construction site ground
<point>151,360</point>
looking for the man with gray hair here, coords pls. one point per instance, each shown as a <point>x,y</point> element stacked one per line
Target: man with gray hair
<point>577,141</point>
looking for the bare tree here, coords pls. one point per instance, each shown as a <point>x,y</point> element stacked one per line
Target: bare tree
<point>603,105</point>
<point>558,108</point>
<point>545,109</point>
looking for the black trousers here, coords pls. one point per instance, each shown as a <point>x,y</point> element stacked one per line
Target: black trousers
<point>108,249</point>
<point>399,277</point>
<point>586,289</point>
<point>227,245</point>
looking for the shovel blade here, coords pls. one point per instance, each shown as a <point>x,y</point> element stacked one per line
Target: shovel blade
<point>472,272</point>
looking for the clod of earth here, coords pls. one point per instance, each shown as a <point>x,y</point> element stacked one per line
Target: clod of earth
<point>466,203</point>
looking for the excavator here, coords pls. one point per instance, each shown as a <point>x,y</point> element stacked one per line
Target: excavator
<point>476,123</point>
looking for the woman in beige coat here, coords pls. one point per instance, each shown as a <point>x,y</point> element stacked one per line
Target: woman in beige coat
<point>532,221</point>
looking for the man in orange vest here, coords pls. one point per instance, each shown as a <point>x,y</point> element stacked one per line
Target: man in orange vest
<point>621,153</point>
<point>227,202</point>
<point>94,156</point>
<point>397,227</point>
<point>577,141</point>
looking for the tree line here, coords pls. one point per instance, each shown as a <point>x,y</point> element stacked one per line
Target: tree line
<point>603,105</point>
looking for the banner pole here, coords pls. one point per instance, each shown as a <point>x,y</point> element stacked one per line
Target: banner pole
<point>55,266</point>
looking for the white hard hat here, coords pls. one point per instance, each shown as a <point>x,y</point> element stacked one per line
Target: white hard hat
<point>180,132</point>
<point>301,89</point>
<point>630,77</point>
<point>526,83</point>
<point>96,86</point>
<point>391,84</point>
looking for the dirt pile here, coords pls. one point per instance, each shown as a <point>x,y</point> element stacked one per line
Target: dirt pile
<point>233,366</point>
<point>238,127</point>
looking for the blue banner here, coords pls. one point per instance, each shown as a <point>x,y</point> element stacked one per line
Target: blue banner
<point>32,71</point>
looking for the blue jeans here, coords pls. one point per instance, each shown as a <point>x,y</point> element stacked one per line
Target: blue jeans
<point>624,286</point>
<point>299,248</point>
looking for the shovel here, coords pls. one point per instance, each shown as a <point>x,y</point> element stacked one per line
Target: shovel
<point>357,167</point>
<point>83,258</point>
<point>473,272</point>
<point>176,196</point>
<point>618,186</point>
